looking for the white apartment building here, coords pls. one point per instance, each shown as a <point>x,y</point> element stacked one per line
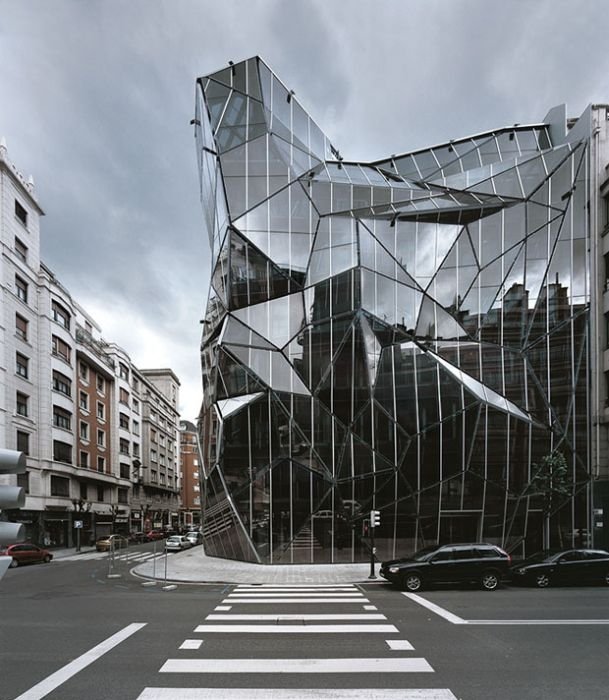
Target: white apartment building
<point>75,404</point>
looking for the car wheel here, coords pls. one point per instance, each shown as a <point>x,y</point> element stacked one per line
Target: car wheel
<point>542,580</point>
<point>412,583</point>
<point>47,559</point>
<point>14,563</point>
<point>489,580</point>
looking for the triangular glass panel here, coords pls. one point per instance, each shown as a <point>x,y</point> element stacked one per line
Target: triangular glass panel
<point>279,320</point>
<point>272,368</point>
<point>373,349</point>
<point>375,256</point>
<point>299,161</point>
<point>228,407</point>
<point>236,333</point>
<point>391,302</point>
<point>436,323</point>
<point>234,379</point>
<point>216,97</point>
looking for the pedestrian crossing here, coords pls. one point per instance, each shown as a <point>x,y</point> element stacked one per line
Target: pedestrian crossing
<point>237,614</point>
<point>128,557</point>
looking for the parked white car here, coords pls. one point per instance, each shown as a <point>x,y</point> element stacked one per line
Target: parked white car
<point>194,537</point>
<point>176,543</point>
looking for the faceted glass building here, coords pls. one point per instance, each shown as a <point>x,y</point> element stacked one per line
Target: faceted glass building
<point>409,335</point>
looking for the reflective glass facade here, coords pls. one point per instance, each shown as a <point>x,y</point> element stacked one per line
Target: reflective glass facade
<point>409,335</point>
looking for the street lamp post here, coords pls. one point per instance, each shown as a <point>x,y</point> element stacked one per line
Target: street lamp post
<point>80,506</point>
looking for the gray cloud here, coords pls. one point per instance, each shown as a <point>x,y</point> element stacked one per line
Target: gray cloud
<point>97,97</point>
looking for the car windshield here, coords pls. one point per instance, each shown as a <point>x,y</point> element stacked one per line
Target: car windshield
<point>544,556</point>
<point>424,554</point>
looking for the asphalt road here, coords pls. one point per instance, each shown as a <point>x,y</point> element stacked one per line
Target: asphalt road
<point>512,643</point>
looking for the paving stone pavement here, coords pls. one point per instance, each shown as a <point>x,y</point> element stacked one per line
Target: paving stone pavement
<point>193,565</point>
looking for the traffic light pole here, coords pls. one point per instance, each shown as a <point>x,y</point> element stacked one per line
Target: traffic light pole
<point>372,551</point>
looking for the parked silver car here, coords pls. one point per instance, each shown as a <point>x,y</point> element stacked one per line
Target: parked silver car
<point>194,537</point>
<point>176,543</point>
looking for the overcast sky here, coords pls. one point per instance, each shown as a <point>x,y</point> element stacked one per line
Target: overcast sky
<point>96,97</point>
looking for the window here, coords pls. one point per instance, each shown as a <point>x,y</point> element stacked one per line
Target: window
<point>83,401</point>
<point>21,213</point>
<point>123,495</point>
<point>62,384</point>
<point>124,446</point>
<point>136,406</point>
<point>23,442</point>
<point>20,250</point>
<point>136,449</point>
<point>22,404</point>
<point>124,469</point>
<point>101,438</point>
<point>136,427</point>
<point>153,435</point>
<point>100,493</point>
<point>61,349</point>
<point>23,480</point>
<point>101,384</point>
<point>196,487</point>
<point>62,452</point>
<point>84,460</point>
<point>153,416</point>
<point>123,396</point>
<point>22,364</point>
<point>21,288</point>
<point>153,476</point>
<point>84,431</point>
<point>61,315</point>
<point>21,327</point>
<point>84,492</point>
<point>124,421</point>
<point>61,418</point>
<point>101,464</point>
<point>101,411</point>
<point>83,371</point>
<point>123,371</point>
<point>153,456</point>
<point>136,384</point>
<point>59,486</point>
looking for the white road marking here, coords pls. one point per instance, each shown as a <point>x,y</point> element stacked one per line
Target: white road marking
<point>274,601</point>
<point>223,607</point>
<point>299,616</point>
<point>294,589</point>
<point>298,629</point>
<point>49,684</point>
<point>370,607</point>
<point>399,645</point>
<point>262,586</point>
<point>294,595</point>
<point>455,619</point>
<point>296,694</point>
<point>191,644</point>
<point>365,665</point>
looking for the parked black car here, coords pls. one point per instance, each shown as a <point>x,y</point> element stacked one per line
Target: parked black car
<point>569,566</point>
<point>481,563</point>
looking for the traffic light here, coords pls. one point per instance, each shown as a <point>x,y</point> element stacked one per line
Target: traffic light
<point>11,497</point>
<point>375,518</point>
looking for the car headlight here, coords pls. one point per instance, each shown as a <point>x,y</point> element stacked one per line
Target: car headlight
<point>394,569</point>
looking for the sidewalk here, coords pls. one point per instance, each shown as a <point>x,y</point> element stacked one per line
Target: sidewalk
<point>193,566</point>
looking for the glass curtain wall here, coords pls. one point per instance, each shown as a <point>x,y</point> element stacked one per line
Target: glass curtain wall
<point>408,335</point>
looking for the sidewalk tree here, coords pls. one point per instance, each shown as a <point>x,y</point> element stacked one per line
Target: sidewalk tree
<point>551,481</point>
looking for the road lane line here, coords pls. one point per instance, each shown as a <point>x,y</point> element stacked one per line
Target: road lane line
<point>298,616</point>
<point>56,679</point>
<point>298,629</point>
<point>455,619</point>
<point>359,665</point>
<point>538,622</point>
<point>296,694</point>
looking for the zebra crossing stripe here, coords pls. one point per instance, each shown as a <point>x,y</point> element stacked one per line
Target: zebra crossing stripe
<point>298,616</point>
<point>276,601</point>
<point>191,644</point>
<point>294,595</point>
<point>296,694</point>
<point>344,665</point>
<point>298,629</point>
